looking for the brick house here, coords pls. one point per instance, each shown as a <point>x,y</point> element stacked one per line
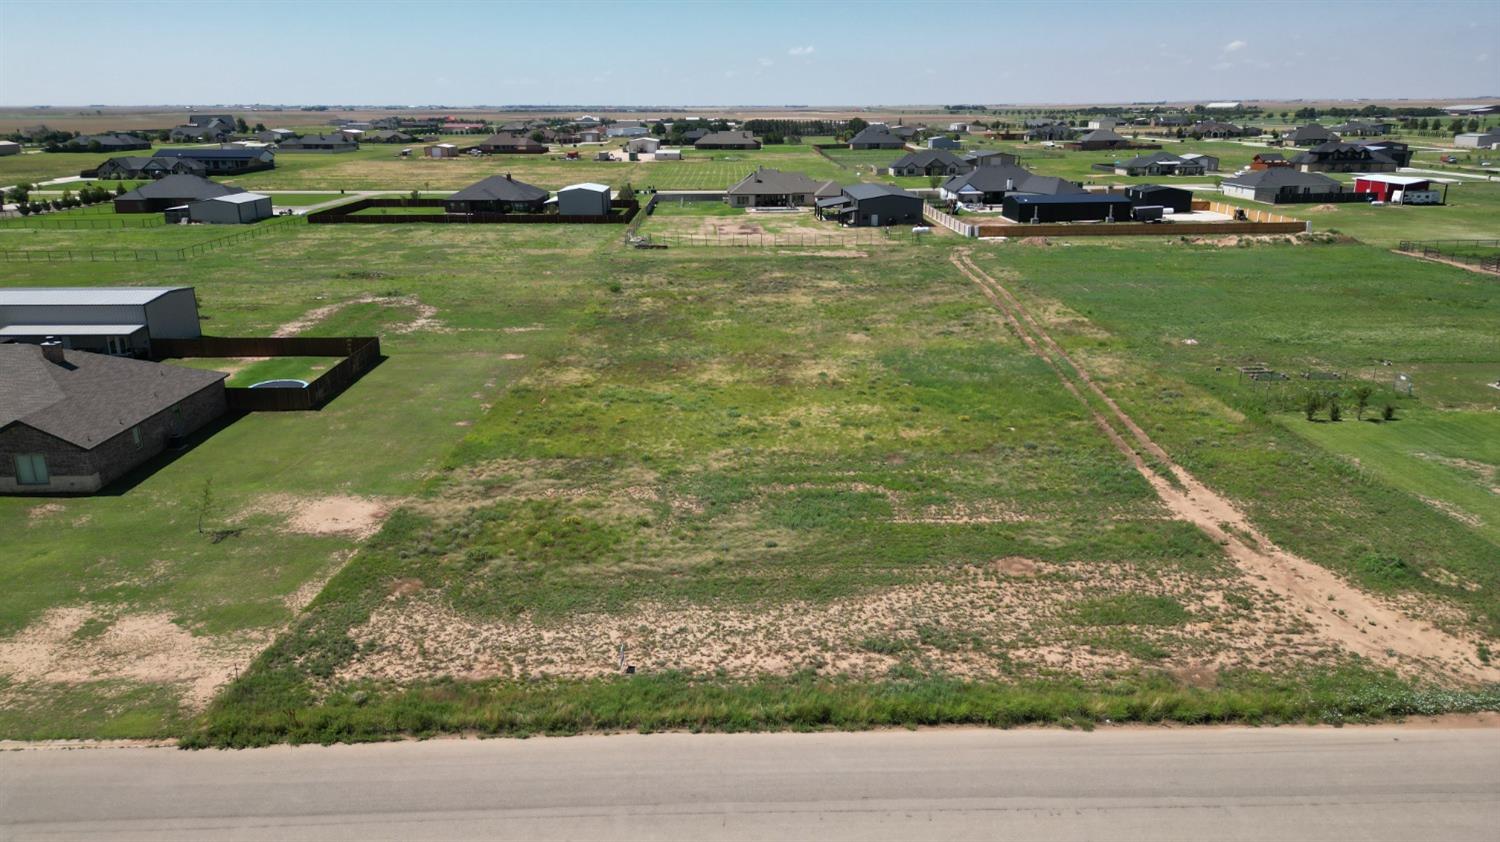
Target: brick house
<point>74,421</point>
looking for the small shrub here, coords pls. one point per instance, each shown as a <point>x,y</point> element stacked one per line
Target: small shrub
<point>1335,413</point>
<point>1388,412</point>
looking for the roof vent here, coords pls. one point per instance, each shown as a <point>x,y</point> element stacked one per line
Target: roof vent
<point>52,350</point>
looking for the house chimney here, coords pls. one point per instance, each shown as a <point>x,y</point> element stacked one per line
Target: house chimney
<point>52,350</point>
<point>1010,184</point>
<point>507,177</point>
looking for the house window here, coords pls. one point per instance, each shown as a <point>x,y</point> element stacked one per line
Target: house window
<point>31,469</point>
<point>135,436</point>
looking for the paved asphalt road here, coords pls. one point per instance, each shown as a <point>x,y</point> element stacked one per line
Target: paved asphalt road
<point>1219,784</point>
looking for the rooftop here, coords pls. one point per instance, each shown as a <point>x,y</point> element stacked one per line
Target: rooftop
<point>79,296</point>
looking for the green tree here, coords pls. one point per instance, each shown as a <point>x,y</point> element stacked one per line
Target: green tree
<point>1312,401</point>
<point>855,126</point>
<point>1361,394</point>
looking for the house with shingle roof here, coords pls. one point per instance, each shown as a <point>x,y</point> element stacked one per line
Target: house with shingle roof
<point>864,205</point>
<point>765,188</point>
<point>170,192</point>
<point>72,422</point>
<point>1160,163</point>
<point>876,136</point>
<point>929,162</point>
<point>726,140</point>
<point>1279,184</point>
<point>505,143</point>
<point>498,194</point>
<point>103,143</point>
<point>1343,157</point>
<point>990,185</point>
<point>1311,134</point>
<point>325,143</point>
<point>1100,139</point>
<point>138,166</point>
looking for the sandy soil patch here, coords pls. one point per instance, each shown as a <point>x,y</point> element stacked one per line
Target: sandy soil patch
<point>336,515</point>
<point>976,625</point>
<point>140,648</point>
<point>426,318</point>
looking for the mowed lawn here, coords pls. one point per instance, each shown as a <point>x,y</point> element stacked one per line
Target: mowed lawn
<point>131,615</point>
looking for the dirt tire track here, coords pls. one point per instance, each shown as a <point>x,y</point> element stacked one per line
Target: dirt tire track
<point>1367,626</point>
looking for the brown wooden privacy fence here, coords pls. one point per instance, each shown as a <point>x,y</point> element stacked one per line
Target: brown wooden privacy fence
<point>360,354</point>
<point>1137,229</point>
<point>853,237</point>
<point>627,209</point>
<point>1251,214</point>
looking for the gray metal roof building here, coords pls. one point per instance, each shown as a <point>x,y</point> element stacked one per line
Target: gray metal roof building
<point>118,320</point>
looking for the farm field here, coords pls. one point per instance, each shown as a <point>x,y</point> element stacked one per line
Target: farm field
<point>792,486</point>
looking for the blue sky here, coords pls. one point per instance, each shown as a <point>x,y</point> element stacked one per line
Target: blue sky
<point>710,53</point>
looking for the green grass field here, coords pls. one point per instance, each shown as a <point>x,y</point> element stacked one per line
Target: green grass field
<point>801,487</point>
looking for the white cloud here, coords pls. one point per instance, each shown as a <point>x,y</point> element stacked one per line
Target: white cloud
<point>765,62</point>
<point>801,51</point>
<point>1235,46</point>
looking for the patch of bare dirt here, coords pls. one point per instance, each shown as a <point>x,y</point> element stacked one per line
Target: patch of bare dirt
<point>975,625</point>
<point>142,648</point>
<point>43,510</point>
<point>426,315</point>
<point>1018,566</point>
<point>340,514</point>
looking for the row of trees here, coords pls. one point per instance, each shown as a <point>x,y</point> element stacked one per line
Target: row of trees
<point>90,195</point>
<point>1315,401</point>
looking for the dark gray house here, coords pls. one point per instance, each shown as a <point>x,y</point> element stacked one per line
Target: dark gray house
<point>135,166</point>
<point>989,158</point>
<point>1050,131</point>
<point>727,140</point>
<point>498,194</point>
<point>72,422</point>
<point>1280,184</point>
<point>990,185</point>
<point>929,162</point>
<point>169,192</point>
<point>876,137</point>
<point>1160,163</point>
<point>1311,134</point>
<point>765,188</point>
<point>225,160</point>
<point>104,143</point>
<point>1343,157</point>
<point>319,143</point>
<point>872,205</point>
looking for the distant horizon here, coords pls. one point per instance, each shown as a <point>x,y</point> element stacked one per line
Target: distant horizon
<point>713,54</point>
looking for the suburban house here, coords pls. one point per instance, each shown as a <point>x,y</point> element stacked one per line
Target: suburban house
<point>72,422</point>
<point>1210,162</point>
<point>1216,129</point>
<point>319,143</point>
<point>134,166</point>
<point>388,136</point>
<point>497,194</point>
<point>1070,207</point>
<point>1342,157</point>
<point>872,205</point>
<point>586,199</point>
<point>643,144</point>
<point>1280,184</point>
<point>942,142</point>
<point>1393,149</point>
<point>929,162</point>
<point>108,320</point>
<point>1160,195</point>
<point>105,143</point>
<point>504,143</point>
<point>169,192</point>
<point>1268,160</point>
<point>225,160</point>
<point>1310,135</point>
<point>1160,163</point>
<point>1049,131</point>
<point>906,133</point>
<point>1478,140</point>
<point>203,127</point>
<point>765,188</point>
<point>1357,128</point>
<point>1399,189</point>
<point>273,135</point>
<point>233,209</point>
<point>988,158</point>
<point>1100,139</point>
<point>727,140</point>
<point>692,136</point>
<point>990,185</point>
<point>876,137</point>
